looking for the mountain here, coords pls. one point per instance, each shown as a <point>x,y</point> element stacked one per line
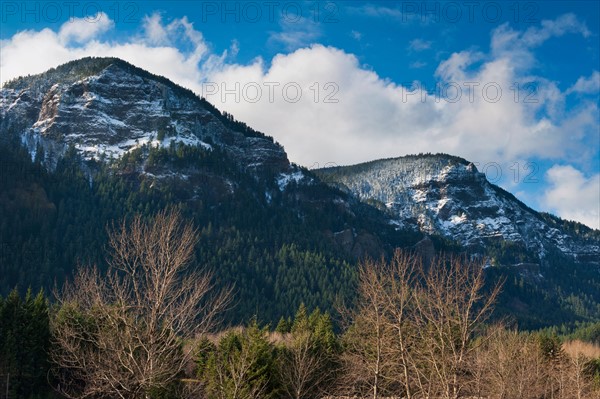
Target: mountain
<point>107,107</point>
<point>446,195</point>
<point>98,139</point>
<point>547,264</point>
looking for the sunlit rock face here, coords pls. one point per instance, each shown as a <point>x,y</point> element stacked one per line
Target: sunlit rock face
<point>446,195</point>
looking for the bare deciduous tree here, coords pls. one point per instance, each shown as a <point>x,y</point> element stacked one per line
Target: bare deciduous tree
<point>364,366</point>
<point>579,382</point>
<point>413,329</point>
<point>121,334</point>
<point>451,304</point>
<point>402,274</point>
<point>510,365</point>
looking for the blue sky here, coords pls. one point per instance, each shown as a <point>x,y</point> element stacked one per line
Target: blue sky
<point>512,86</point>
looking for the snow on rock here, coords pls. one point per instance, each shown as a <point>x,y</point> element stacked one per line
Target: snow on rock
<point>447,195</point>
<point>119,109</point>
<point>286,178</point>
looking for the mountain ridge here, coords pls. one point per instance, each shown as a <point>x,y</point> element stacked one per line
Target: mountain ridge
<point>89,66</point>
<point>114,140</point>
<point>145,110</point>
<point>463,161</point>
<point>414,190</point>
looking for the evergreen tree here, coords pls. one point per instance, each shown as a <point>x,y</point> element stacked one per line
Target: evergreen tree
<point>24,343</point>
<point>241,366</point>
<point>308,357</point>
<point>283,326</point>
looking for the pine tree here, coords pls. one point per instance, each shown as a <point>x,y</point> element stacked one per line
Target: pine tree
<point>241,366</point>
<point>24,343</point>
<point>283,327</point>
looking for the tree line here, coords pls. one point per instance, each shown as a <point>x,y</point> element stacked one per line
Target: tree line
<point>149,327</point>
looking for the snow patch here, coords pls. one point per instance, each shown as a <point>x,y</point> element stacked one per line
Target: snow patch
<point>286,178</point>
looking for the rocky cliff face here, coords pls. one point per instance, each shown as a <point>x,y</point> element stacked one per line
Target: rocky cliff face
<point>446,195</point>
<point>116,108</point>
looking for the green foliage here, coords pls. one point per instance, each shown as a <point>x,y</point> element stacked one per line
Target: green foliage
<point>550,345</point>
<point>160,136</point>
<point>301,322</point>
<point>283,326</point>
<point>247,363</point>
<point>308,355</point>
<point>24,344</point>
<point>582,331</point>
<point>276,258</point>
<point>557,291</point>
<point>277,255</point>
<point>589,332</point>
<point>241,365</point>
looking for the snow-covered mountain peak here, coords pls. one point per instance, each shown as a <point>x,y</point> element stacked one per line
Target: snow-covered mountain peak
<point>106,107</point>
<point>447,195</point>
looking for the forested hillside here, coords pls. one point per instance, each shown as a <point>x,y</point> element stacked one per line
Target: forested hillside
<point>96,140</point>
<point>406,322</point>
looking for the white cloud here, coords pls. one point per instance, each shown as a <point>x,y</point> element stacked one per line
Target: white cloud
<point>475,126</point>
<point>417,64</point>
<point>573,196</point>
<point>31,52</point>
<point>419,45</point>
<point>405,12</point>
<point>454,68</point>
<point>590,85</point>
<point>155,31</point>
<point>382,120</point>
<point>377,11</point>
<point>80,30</point>
<point>517,45</point>
<point>567,23</point>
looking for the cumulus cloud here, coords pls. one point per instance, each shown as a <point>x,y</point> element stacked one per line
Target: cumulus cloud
<point>572,195</point>
<point>80,30</point>
<point>158,49</point>
<point>483,108</point>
